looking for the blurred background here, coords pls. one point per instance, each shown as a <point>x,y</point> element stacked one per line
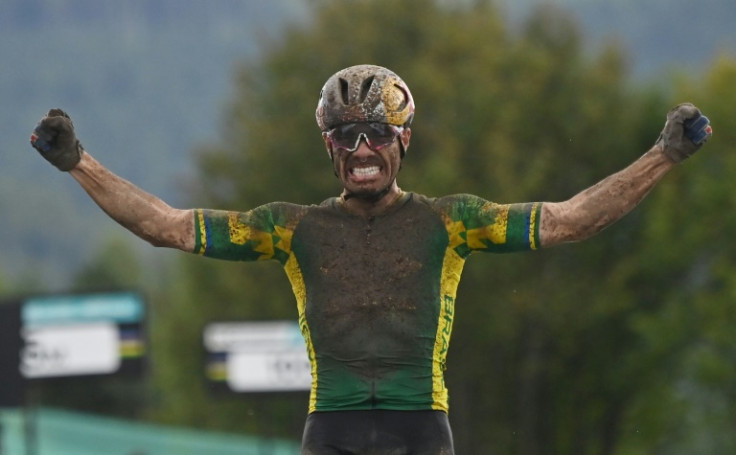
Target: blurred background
<point>623,344</point>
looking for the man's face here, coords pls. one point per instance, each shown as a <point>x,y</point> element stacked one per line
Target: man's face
<point>368,171</point>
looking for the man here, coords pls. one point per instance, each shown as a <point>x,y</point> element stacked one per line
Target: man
<point>375,270</point>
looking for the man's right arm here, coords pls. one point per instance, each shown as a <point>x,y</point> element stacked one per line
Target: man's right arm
<point>143,214</point>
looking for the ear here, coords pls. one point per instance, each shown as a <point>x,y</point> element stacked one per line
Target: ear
<point>328,145</point>
<point>405,138</point>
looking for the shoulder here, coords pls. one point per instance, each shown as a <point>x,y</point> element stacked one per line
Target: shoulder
<point>282,214</point>
<point>457,204</point>
<point>330,202</point>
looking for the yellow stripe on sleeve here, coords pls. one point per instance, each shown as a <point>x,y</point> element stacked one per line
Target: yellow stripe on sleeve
<point>533,228</point>
<point>202,233</point>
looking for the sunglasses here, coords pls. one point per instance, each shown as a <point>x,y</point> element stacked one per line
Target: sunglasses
<point>377,135</point>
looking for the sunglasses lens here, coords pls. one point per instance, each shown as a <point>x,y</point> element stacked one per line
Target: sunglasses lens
<point>377,135</point>
<point>380,132</point>
<point>345,137</point>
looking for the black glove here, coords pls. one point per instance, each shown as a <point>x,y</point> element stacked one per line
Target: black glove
<point>54,138</point>
<point>685,131</point>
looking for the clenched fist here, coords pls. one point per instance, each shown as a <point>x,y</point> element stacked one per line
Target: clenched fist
<point>54,138</point>
<point>685,131</point>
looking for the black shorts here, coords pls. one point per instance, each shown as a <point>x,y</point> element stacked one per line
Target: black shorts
<point>377,432</point>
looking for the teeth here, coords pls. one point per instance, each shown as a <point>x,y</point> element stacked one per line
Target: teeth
<point>366,171</point>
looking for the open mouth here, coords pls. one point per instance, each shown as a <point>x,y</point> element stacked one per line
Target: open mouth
<point>364,172</point>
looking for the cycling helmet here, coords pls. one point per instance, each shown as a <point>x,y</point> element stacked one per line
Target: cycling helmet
<point>364,93</point>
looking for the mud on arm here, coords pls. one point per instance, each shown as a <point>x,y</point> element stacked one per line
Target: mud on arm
<point>599,206</point>
<point>143,214</point>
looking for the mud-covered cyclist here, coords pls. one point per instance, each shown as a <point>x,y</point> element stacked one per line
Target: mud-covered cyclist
<point>374,270</point>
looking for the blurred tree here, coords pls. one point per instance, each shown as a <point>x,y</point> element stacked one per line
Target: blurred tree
<point>682,276</point>
<point>553,351</point>
<point>115,266</point>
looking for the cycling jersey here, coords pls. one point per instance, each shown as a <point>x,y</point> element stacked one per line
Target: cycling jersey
<point>375,296</point>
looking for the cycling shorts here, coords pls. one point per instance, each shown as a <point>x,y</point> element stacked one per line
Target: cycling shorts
<point>377,432</point>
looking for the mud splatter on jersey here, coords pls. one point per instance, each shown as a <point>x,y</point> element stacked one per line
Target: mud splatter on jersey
<point>375,296</point>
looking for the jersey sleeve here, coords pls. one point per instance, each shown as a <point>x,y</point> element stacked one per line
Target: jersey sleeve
<point>260,234</point>
<point>475,224</point>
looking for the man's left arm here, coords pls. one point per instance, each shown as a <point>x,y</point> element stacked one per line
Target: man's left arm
<point>599,206</point>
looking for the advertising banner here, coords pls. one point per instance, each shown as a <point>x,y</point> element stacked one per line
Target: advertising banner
<point>257,356</point>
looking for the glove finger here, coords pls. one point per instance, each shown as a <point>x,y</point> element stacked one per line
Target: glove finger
<point>41,140</point>
<point>682,112</point>
<point>44,133</point>
<point>59,124</point>
<point>40,144</point>
<point>49,131</point>
<point>698,129</point>
<point>57,113</point>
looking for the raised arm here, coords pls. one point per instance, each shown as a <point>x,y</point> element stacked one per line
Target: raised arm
<point>143,214</point>
<point>599,206</point>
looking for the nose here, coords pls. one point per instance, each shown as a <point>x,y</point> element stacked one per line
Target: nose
<point>363,150</point>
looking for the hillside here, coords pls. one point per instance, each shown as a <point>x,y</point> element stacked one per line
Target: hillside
<point>147,82</point>
<point>660,36</point>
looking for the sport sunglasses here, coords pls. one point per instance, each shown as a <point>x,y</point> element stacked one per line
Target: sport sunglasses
<point>377,135</point>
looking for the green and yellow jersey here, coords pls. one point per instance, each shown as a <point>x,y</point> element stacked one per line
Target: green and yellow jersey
<point>376,296</point>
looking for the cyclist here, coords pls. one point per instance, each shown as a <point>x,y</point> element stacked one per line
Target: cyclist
<point>374,270</point>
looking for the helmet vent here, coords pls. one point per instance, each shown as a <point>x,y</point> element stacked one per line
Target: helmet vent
<point>344,91</point>
<point>405,99</point>
<point>365,88</point>
<point>364,93</point>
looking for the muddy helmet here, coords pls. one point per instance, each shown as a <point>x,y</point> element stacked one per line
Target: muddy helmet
<point>364,93</point>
